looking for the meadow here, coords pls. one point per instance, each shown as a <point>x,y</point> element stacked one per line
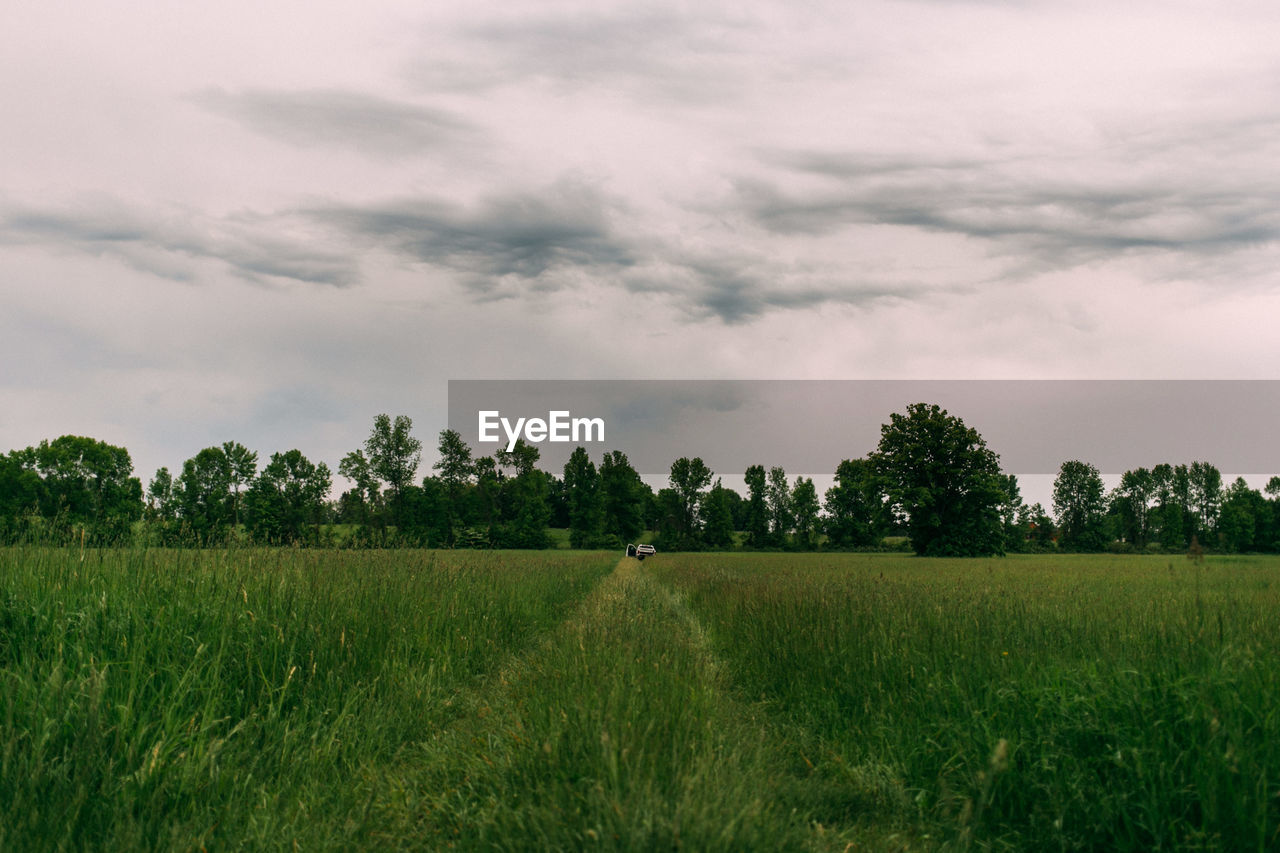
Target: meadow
<point>309,699</point>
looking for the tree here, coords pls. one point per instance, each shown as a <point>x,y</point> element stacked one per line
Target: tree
<point>287,498</point>
<point>781,519</point>
<point>941,476</point>
<point>355,467</point>
<point>717,517</point>
<point>1242,517</point>
<point>87,482</point>
<point>1132,503</point>
<point>689,477</point>
<point>804,510</point>
<point>243,465</point>
<point>393,453</point>
<point>526,497</point>
<point>455,471</point>
<point>204,494</point>
<point>623,495</point>
<point>757,526</point>
<point>855,506</point>
<point>21,492</point>
<point>1012,511</point>
<point>163,504</point>
<point>1079,505</point>
<point>586,509</point>
<point>1205,483</point>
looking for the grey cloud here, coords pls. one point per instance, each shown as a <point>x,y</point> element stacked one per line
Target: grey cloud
<point>524,235</point>
<point>741,284</point>
<point>1054,222</point>
<point>678,54</point>
<point>344,119</point>
<point>167,245</point>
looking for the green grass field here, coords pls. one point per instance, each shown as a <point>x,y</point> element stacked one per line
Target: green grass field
<point>294,699</point>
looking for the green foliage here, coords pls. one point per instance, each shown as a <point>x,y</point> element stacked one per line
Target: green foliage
<point>718,517</point>
<point>757,525</point>
<point>285,504</point>
<point>1080,507</point>
<point>781,516</point>
<point>804,508</point>
<point>941,476</point>
<point>586,505</point>
<point>84,484</point>
<point>204,495</point>
<point>393,454</point>
<point>689,478</point>
<point>857,514</point>
<point>624,495</point>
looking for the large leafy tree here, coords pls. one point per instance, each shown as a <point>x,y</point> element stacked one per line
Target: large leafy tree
<point>804,510</point>
<point>163,503</point>
<point>1205,483</point>
<point>286,501</point>
<point>689,478</point>
<point>623,494</point>
<point>393,453</point>
<point>1079,504</point>
<point>717,514</point>
<point>21,489</point>
<point>454,472</point>
<point>781,517</point>
<point>88,482</point>
<point>360,502</point>
<point>204,494</point>
<point>1242,520</point>
<point>242,463</point>
<point>940,475</point>
<point>586,509</point>
<point>757,525</point>
<point>1131,503</point>
<point>856,514</point>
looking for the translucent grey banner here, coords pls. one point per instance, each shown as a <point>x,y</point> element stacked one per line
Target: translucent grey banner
<point>808,426</point>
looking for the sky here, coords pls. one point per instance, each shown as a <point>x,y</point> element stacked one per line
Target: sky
<point>269,222</point>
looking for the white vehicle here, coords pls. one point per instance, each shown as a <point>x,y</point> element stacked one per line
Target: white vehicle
<point>641,551</point>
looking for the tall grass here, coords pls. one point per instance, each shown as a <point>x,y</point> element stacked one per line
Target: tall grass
<point>188,699</point>
<point>1034,703</point>
<point>282,699</point>
<point>614,734</point>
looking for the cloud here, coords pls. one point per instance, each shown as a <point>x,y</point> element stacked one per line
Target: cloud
<point>372,125</point>
<point>1050,213</point>
<point>522,243</point>
<point>519,234</point>
<point>168,245</point>
<point>675,54</point>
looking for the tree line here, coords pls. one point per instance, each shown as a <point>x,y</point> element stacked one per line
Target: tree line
<point>931,482</point>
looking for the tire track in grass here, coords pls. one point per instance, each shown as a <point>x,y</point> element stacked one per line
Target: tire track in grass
<point>616,732</point>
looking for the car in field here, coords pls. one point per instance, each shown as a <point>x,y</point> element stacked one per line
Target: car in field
<point>641,551</point>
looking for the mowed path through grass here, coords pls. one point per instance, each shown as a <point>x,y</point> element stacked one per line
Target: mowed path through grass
<point>616,732</point>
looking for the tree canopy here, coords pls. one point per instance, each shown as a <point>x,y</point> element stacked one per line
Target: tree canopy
<point>941,476</point>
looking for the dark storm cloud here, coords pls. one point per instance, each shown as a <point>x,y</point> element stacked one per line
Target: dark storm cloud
<point>520,234</point>
<point>166,246</point>
<point>520,243</point>
<point>344,119</point>
<point>740,285</point>
<point>1025,207</point>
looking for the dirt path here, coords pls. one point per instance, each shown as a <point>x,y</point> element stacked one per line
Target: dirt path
<point>615,729</point>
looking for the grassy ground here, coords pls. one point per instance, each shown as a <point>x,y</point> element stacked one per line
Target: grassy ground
<point>562,700</point>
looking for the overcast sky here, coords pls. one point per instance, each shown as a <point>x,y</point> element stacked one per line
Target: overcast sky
<point>270,222</point>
